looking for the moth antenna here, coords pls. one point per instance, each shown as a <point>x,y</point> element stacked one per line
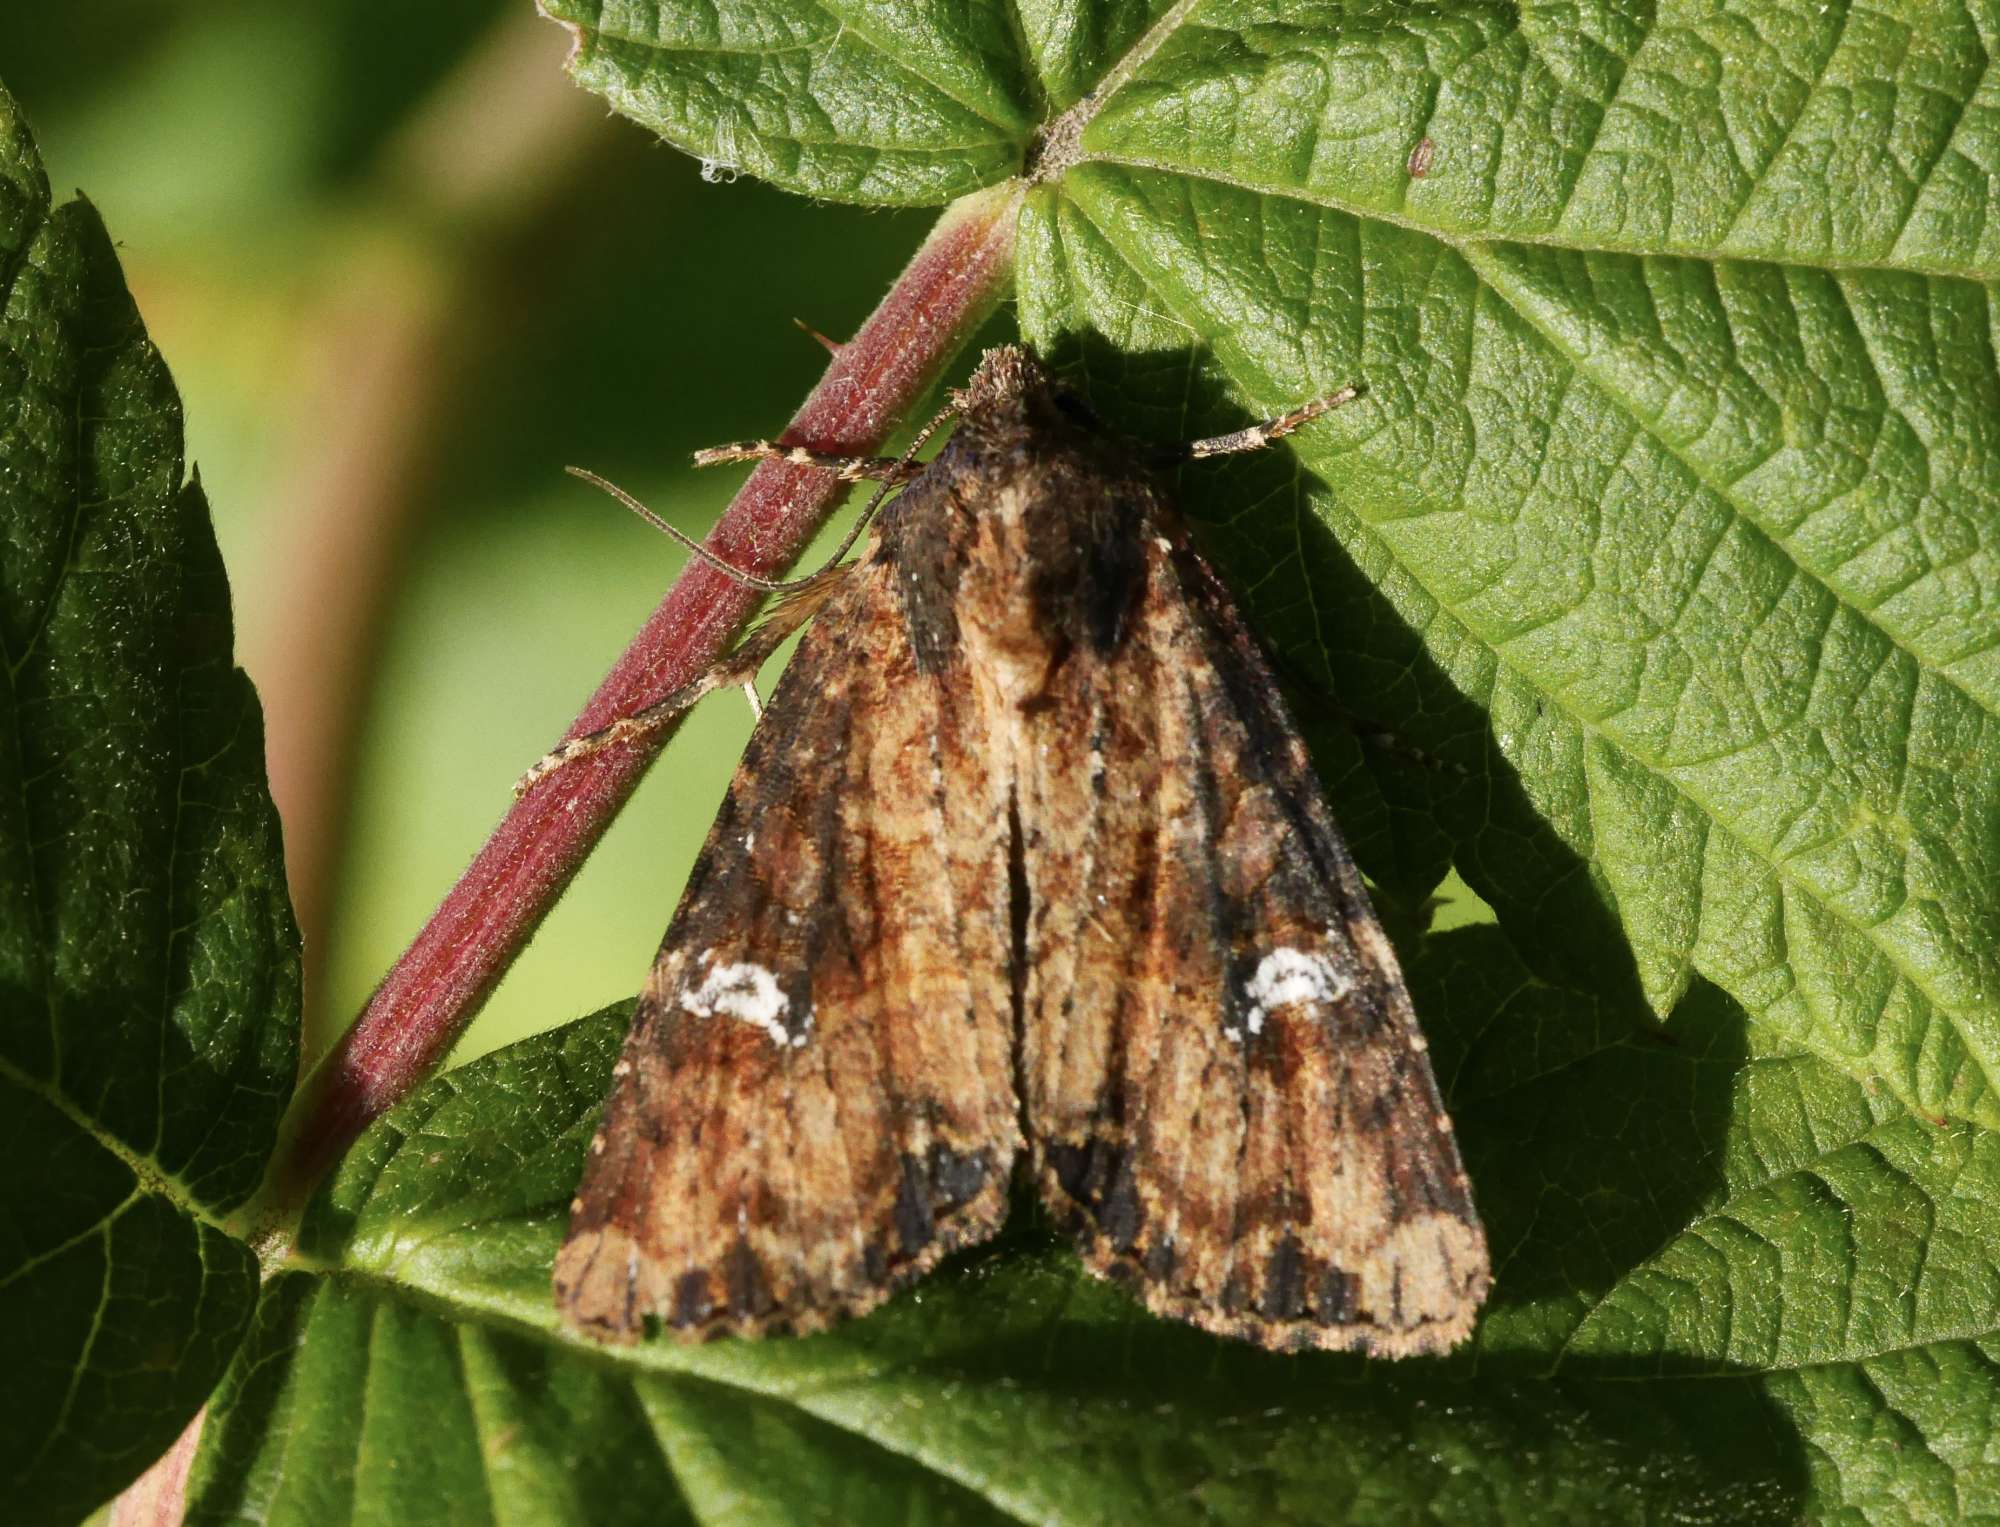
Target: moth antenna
<point>740,667</point>
<point>737,667</point>
<point>1257,436</point>
<point>722,565</point>
<point>890,471</point>
<point>906,468</point>
<point>949,411</point>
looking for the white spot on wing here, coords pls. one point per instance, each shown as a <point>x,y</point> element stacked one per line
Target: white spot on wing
<point>1286,976</point>
<point>742,991</point>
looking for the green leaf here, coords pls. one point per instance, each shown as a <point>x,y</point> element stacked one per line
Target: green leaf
<point>1665,656</point>
<point>889,103</point>
<point>1765,1215</point>
<point>1649,586</point>
<point>148,961</point>
<point>1822,134</point>
<point>1676,474</point>
<point>1009,1386</point>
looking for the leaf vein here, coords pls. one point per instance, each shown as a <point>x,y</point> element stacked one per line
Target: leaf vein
<point>1462,239</point>
<point>1491,275</point>
<point>1812,91</point>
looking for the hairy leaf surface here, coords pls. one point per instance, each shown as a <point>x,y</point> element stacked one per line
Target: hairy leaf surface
<point>148,961</point>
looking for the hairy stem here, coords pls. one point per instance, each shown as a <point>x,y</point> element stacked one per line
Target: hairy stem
<point>441,980</point>
<point>392,331</point>
<point>158,1497</point>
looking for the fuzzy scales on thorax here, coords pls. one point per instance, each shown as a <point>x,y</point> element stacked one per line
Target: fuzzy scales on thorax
<point>1020,548</point>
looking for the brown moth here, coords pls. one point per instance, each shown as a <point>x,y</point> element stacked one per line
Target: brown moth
<point>1026,861</point>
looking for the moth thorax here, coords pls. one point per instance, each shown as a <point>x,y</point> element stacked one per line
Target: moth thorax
<point>1008,636</point>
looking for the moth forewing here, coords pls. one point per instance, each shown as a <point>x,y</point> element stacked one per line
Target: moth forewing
<point>1027,849</point>
<point>1227,1094</point>
<point>783,1143</point>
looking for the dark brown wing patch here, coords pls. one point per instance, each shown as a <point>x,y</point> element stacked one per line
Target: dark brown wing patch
<point>815,1102</point>
<point>1226,1090</point>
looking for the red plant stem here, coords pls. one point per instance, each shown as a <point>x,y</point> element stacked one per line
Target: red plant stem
<point>432,992</point>
<point>158,1497</point>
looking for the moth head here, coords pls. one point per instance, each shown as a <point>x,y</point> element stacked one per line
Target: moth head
<point>1005,376</point>
<point>1010,388</point>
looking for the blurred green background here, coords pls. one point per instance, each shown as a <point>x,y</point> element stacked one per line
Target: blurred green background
<point>404,273</point>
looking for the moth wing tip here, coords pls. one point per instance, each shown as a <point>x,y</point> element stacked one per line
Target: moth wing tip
<point>1418,1293</point>
<point>595,1282</point>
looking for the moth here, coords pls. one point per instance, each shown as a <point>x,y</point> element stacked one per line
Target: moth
<point>1025,866</point>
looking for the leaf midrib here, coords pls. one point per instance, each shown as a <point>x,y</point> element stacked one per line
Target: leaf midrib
<point>1767,1370</point>
<point>1477,255</point>
<point>509,1317</point>
<point>1460,238</point>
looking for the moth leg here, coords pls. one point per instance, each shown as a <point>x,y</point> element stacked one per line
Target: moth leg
<point>889,469</point>
<point>734,668</point>
<point>654,719</point>
<point>756,704</point>
<point>1257,436</point>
